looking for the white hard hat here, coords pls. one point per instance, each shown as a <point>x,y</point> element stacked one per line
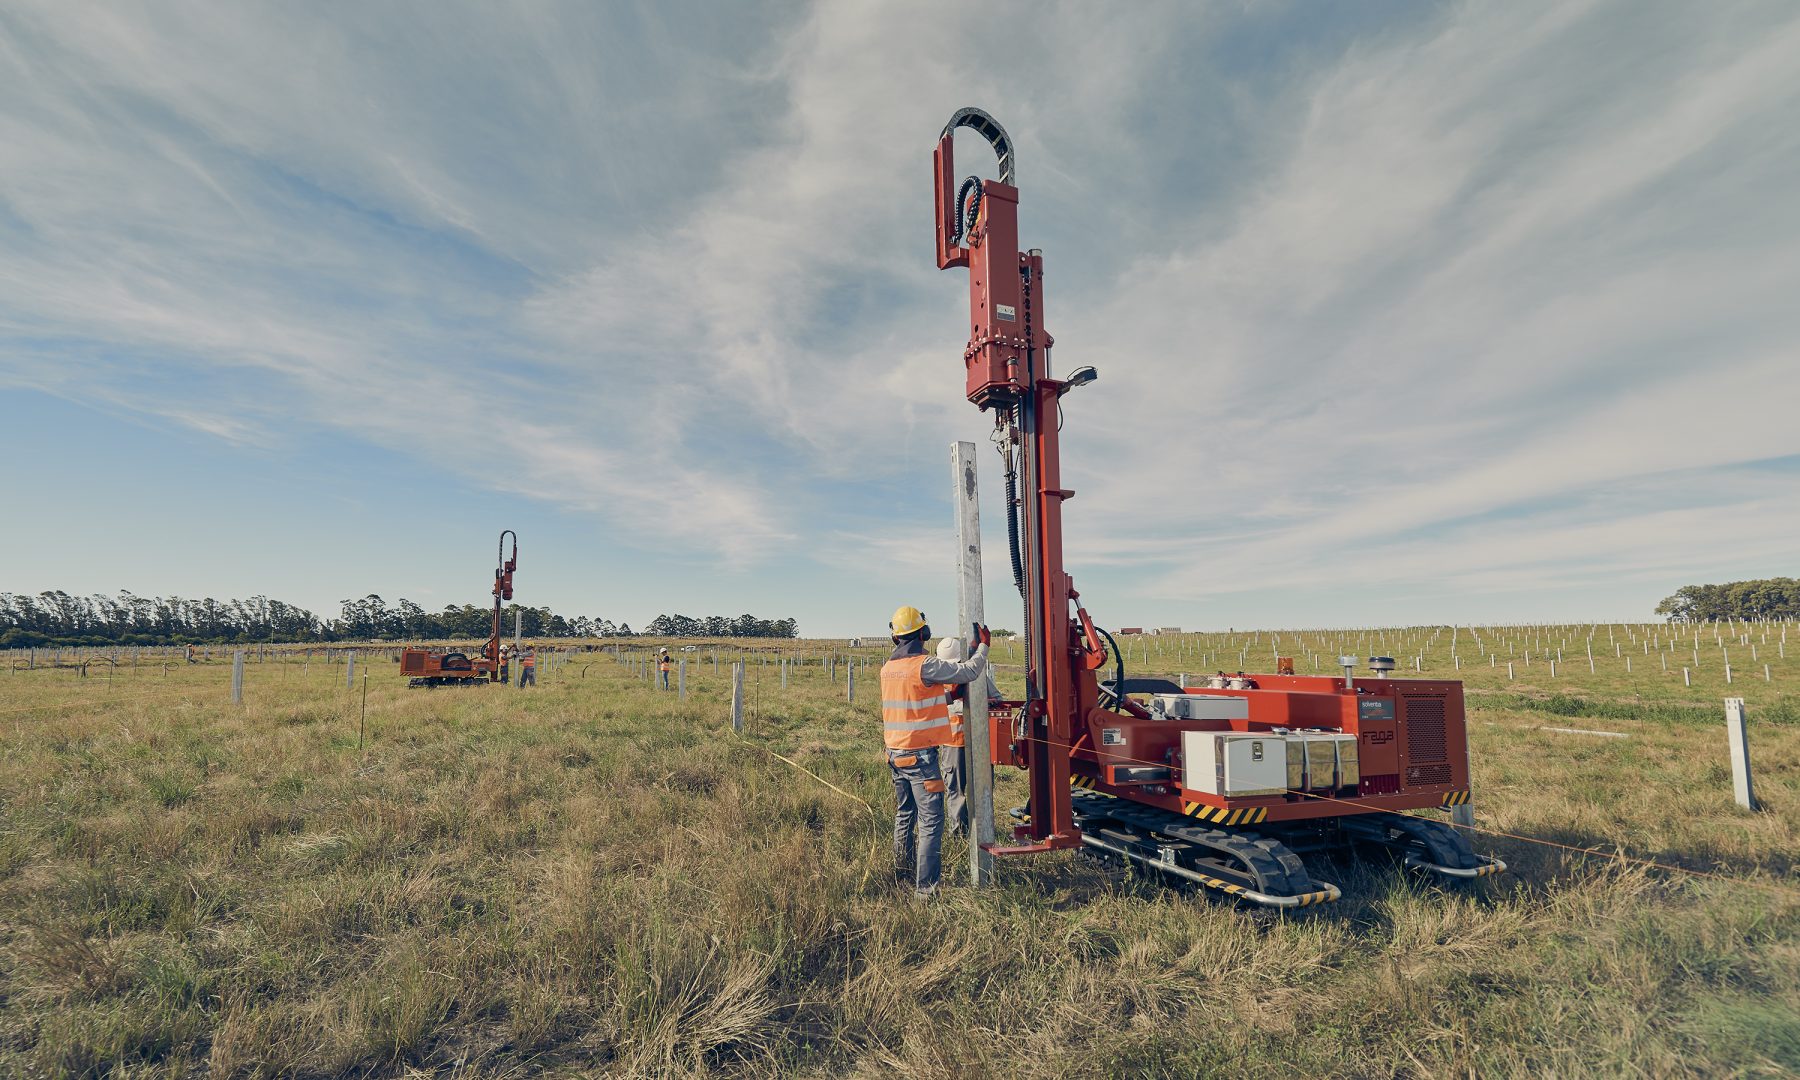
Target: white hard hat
<point>951,649</point>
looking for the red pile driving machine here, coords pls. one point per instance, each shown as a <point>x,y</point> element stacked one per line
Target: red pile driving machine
<point>449,667</point>
<point>1224,785</point>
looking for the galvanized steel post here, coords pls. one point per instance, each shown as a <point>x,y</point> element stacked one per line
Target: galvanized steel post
<point>978,768</point>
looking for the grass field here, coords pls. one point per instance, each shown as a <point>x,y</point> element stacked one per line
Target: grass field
<point>593,878</point>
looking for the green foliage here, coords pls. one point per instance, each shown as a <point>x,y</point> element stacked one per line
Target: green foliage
<point>720,626</point>
<point>1768,598</point>
<point>57,618</point>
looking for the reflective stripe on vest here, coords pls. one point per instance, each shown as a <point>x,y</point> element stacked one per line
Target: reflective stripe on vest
<point>914,713</point>
<point>958,707</point>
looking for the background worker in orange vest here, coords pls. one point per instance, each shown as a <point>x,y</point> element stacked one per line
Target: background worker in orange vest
<point>663,664</point>
<point>527,668</point>
<point>955,760</point>
<point>916,725</point>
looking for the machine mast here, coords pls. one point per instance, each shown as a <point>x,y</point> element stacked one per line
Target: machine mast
<point>1008,373</point>
<point>503,590</point>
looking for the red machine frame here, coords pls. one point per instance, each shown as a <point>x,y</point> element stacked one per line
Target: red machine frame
<point>1055,733</point>
<point>440,667</point>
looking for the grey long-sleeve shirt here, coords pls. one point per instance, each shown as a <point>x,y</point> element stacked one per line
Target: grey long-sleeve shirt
<point>935,670</point>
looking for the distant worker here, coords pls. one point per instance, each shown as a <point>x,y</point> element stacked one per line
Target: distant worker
<point>957,761</point>
<point>505,665</point>
<point>663,664</point>
<point>527,668</point>
<point>190,654</point>
<point>916,725</point>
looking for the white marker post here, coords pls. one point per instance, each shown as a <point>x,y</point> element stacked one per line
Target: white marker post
<point>237,677</point>
<point>681,679</point>
<point>518,628</point>
<point>1740,753</point>
<point>737,696</point>
<point>978,771</point>
<point>349,671</point>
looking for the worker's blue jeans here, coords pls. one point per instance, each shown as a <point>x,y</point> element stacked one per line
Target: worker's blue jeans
<point>665,679</point>
<point>918,815</point>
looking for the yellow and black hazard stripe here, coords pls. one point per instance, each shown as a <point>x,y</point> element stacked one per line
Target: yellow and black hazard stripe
<point>1304,899</point>
<point>1220,884</point>
<point>1311,898</point>
<point>1220,815</point>
<point>1081,781</point>
<point>1456,798</point>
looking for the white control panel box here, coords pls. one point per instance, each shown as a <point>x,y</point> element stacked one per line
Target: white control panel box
<point>1199,707</point>
<point>1233,762</point>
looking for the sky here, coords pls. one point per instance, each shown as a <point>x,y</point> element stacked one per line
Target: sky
<point>1403,312</point>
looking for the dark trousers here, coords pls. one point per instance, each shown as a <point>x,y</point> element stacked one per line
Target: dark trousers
<point>953,761</point>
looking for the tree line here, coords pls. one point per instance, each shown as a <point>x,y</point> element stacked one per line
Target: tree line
<point>1768,598</point>
<point>721,626</point>
<point>58,618</point>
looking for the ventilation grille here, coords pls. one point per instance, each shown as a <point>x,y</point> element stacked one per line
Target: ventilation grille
<point>1424,720</point>
<point>1427,775</point>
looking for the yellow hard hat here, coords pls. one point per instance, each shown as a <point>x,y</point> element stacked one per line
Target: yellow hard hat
<point>906,620</point>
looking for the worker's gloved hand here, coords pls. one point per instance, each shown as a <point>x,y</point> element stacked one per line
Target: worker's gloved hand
<point>982,637</point>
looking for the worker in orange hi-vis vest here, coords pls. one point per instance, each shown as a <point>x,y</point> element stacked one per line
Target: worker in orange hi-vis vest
<point>916,725</point>
<point>527,668</point>
<point>663,664</point>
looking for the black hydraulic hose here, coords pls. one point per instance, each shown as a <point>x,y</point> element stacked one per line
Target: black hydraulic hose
<point>1018,567</point>
<point>961,225</point>
<point>1012,525</point>
<point>1118,669</point>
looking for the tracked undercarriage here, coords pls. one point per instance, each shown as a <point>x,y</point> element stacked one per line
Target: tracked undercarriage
<point>1263,865</point>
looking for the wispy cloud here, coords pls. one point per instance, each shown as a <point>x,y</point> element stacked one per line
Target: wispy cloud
<point>1420,296</point>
